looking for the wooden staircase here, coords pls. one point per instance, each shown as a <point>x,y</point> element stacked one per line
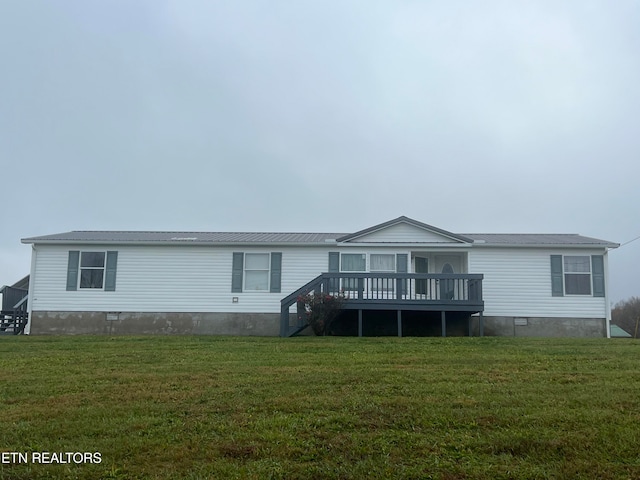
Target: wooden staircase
<point>14,315</point>
<point>288,326</point>
<point>13,322</point>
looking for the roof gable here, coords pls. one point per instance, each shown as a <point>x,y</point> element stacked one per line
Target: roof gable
<point>404,230</point>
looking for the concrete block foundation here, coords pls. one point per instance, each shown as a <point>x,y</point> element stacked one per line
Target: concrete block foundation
<point>542,327</point>
<point>158,323</point>
<point>268,324</point>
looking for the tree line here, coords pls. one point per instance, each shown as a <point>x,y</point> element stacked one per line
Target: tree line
<point>626,314</point>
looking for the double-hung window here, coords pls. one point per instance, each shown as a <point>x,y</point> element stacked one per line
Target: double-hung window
<point>256,272</point>
<point>577,275</point>
<point>92,269</point>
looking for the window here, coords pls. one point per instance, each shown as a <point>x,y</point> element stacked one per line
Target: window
<point>383,263</point>
<point>577,275</point>
<point>352,262</point>
<point>256,271</point>
<point>92,269</point>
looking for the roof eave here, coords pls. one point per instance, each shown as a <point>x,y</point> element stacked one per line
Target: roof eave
<point>547,245</point>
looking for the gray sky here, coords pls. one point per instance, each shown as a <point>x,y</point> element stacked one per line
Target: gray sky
<point>494,116</point>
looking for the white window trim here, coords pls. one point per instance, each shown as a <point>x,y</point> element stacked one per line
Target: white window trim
<point>103,268</point>
<point>564,278</point>
<point>245,270</point>
<point>366,263</point>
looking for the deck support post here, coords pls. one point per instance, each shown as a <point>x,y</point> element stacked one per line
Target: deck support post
<point>444,323</point>
<point>360,322</point>
<point>399,323</point>
<point>470,327</point>
<point>481,325</point>
<point>284,324</point>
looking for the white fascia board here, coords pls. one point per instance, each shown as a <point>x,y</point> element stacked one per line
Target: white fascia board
<point>414,246</point>
<point>542,246</point>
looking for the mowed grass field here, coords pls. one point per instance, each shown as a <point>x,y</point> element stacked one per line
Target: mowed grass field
<point>334,408</point>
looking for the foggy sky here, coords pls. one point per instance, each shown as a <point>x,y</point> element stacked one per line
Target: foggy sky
<point>492,117</point>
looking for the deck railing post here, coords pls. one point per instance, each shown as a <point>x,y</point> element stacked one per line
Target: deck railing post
<point>444,323</point>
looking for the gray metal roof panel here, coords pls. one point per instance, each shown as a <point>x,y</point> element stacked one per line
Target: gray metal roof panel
<point>173,237</point>
<point>541,239</point>
<point>183,237</point>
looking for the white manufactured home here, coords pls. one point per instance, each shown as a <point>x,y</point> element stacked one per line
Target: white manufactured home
<point>401,277</point>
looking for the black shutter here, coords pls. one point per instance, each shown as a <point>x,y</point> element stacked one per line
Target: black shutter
<point>72,270</point>
<point>276,272</point>
<point>236,275</point>
<point>110,272</point>
<point>557,285</point>
<point>334,267</point>
<point>597,274</point>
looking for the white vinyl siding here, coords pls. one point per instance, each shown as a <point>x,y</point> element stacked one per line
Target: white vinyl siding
<point>517,282</point>
<point>191,278</point>
<point>169,279</point>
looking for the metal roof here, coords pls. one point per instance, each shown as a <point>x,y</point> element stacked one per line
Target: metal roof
<point>538,239</point>
<point>273,238</point>
<point>183,237</point>
<point>618,332</point>
<point>115,237</point>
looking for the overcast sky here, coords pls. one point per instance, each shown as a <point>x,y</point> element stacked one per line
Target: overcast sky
<point>492,117</point>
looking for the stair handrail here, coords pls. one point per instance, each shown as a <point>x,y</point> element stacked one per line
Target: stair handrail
<point>306,288</point>
<point>21,302</point>
<point>290,299</point>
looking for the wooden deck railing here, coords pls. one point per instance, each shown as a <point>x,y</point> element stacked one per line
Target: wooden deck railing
<point>389,291</point>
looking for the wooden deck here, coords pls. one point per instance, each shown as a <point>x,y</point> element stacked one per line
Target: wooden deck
<point>391,291</point>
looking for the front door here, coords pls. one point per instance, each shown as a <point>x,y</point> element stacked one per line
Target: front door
<point>448,264</point>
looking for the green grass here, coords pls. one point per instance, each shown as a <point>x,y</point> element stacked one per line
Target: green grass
<point>220,407</point>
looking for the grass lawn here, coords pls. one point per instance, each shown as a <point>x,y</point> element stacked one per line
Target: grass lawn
<point>229,407</point>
